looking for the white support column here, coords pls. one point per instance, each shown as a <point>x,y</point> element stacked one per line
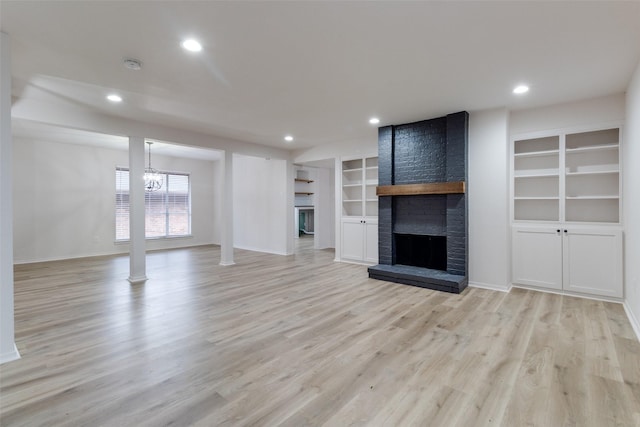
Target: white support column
<point>137,244</point>
<point>226,238</point>
<point>8,349</point>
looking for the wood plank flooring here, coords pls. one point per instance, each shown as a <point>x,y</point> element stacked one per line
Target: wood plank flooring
<point>304,341</point>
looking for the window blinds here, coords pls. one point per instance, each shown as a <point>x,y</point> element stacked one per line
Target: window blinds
<point>167,211</point>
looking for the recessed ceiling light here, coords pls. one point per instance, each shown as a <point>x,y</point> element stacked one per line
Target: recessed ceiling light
<point>192,45</point>
<point>374,120</point>
<point>114,98</point>
<point>519,90</point>
<point>288,138</point>
<point>132,64</point>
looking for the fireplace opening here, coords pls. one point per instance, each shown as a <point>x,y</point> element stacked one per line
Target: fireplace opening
<point>421,251</point>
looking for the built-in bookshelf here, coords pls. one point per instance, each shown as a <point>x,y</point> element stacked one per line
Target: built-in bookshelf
<point>572,177</point>
<point>359,182</point>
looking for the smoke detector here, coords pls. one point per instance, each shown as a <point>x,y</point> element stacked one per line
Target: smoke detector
<point>132,64</point>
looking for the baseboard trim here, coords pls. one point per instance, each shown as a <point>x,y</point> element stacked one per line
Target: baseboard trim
<point>632,319</point>
<point>10,355</point>
<point>106,254</point>
<point>261,250</point>
<point>491,287</point>
<point>570,294</point>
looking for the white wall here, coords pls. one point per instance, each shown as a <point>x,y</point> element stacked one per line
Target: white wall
<point>325,209</point>
<point>64,200</point>
<point>631,201</point>
<point>590,112</point>
<point>8,350</point>
<point>337,150</point>
<point>260,204</point>
<point>488,192</point>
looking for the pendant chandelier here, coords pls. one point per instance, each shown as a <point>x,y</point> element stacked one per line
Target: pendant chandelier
<point>152,178</point>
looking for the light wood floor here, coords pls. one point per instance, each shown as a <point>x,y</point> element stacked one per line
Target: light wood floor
<point>303,340</point>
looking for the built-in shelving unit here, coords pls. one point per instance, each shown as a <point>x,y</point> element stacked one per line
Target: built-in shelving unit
<point>359,216</point>
<point>359,182</point>
<point>537,179</point>
<point>592,176</point>
<point>566,233</point>
<point>573,177</point>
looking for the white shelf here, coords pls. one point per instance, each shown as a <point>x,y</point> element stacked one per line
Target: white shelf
<point>602,147</point>
<point>537,153</point>
<point>536,198</point>
<point>352,185</point>
<point>352,201</point>
<point>352,170</point>
<point>603,172</point>
<point>610,197</point>
<point>537,174</point>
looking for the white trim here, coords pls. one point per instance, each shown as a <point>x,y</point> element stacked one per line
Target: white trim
<point>491,287</point>
<point>635,324</point>
<point>109,254</point>
<point>265,251</point>
<point>356,262</point>
<point>10,356</point>
<point>570,294</point>
<point>136,280</point>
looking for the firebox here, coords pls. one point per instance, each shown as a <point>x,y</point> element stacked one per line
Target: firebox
<point>421,251</point>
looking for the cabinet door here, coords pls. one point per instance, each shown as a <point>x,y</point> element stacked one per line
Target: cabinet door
<point>537,257</point>
<point>353,239</point>
<point>371,241</point>
<point>593,261</point>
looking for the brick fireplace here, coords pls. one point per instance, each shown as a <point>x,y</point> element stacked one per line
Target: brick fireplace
<point>422,231</point>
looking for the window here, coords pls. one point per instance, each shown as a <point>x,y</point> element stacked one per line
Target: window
<point>167,211</point>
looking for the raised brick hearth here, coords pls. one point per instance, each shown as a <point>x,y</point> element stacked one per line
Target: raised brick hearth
<point>427,152</point>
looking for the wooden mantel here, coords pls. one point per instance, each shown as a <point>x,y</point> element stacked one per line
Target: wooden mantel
<point>416,189</point>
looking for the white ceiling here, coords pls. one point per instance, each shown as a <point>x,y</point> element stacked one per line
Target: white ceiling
<point>319,70</point>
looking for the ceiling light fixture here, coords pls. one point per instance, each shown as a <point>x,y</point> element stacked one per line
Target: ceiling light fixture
<point>519,90</point>
<point>288,138</point>
<point>374,120</point>
<point>114,98</point>
<point>192,45</point>
<point>152,178</point>
<point>132,64</point>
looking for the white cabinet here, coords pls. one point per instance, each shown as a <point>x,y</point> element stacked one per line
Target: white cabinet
<point>359,210</point>
<point>537,257</point>
<point>593,261</point>
<point>586,260</point>
<point>360,240</point>
<point>566,233</point>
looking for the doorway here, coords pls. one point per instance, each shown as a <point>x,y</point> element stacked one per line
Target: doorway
<point>314,205</point>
